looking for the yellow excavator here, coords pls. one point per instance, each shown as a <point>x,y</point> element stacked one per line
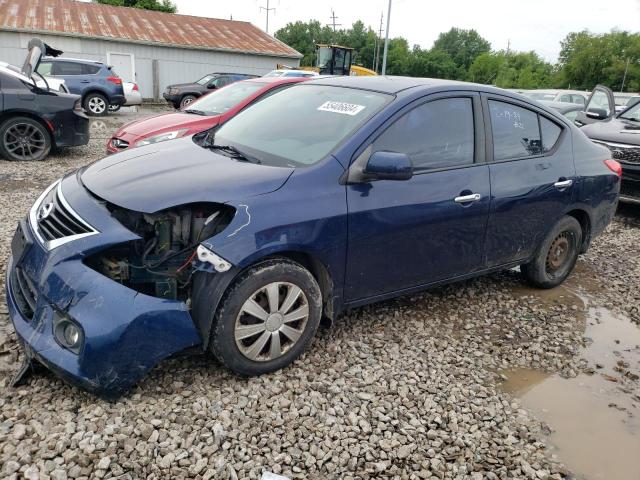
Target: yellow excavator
<point>334,60</point>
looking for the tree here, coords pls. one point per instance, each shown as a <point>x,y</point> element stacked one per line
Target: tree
<point>303,37</point>
<point>463,46</point>
<point>157,5</point>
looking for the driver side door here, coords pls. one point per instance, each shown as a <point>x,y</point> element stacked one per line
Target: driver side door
<point>409,233</point>
<point>600,106</point>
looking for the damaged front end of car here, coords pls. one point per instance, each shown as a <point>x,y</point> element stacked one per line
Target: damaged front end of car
<point>100,294</point>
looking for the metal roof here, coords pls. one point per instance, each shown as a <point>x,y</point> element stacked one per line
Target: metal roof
<point>106,22</point>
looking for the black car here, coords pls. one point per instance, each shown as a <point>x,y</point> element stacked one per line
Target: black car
<point>35,119</point>
<point>620,133</point>
<point>182,94</point>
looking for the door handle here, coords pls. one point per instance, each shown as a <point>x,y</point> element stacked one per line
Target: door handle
<point>563,183</point>
<point>85,81</point>
<point>474,197</point>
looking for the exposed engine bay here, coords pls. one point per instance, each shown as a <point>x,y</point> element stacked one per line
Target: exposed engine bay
<point>160,263</point>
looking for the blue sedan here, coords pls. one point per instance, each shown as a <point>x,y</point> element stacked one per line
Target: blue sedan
<point>331,194</point>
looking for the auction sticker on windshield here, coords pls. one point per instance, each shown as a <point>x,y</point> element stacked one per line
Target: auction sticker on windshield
<point>341,107</point>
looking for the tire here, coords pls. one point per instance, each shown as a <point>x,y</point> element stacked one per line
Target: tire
<point>246,344</point>
<point>96,105</point>
<point>114,108</point>
<point>23,138</point>
<point>186,100</point>
<point>556,256</point>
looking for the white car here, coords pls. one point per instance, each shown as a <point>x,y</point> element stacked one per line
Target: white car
<point>291,73</point>
<point>131,94</point>
<point>557,95</point>
<point>46,82</point>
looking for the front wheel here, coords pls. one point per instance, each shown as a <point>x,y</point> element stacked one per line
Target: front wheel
<point>186,101</point>
<point>96,105</point>
<point>23,138</point>
<point>556,256</point>
<point>267,318</point>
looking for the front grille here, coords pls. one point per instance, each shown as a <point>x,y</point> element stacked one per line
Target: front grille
<point>623,152</point>
<point>25,293</point>
<point>630,189</point>
<point>55,222</point>
<point>119,143</point>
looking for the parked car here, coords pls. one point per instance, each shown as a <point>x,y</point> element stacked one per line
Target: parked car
<point>34,118</point>
<point>131,94</point>
<point>569,110</point>
<point>97,83</point>
<point>625,100</point>
<point>555,95</point>
<point>205,113</point>
<point>44,82</point>
<point>182,94</point>
<point>331,194</point>
<point>291,73</point>
<point>620,133</point>
<point>600,106</point>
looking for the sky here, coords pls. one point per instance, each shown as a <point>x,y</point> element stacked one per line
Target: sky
<point>537,25</point>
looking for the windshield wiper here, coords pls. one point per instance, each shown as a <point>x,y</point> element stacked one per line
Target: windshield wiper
<point>196,112</point>
<point>630,118</point>
<point>234,153</point>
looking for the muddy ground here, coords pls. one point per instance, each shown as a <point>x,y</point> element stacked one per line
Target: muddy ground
<point>482,379</point>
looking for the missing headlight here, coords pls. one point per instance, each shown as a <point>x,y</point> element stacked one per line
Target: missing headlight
<point>159,263</point>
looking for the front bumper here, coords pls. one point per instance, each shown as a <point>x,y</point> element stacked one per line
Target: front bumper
<point>630,185</point>
<point>126,333</point>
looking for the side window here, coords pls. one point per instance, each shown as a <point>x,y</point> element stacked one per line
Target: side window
<point>565,98</point>
<point>44,68</point>
<point>90,69</point>
<point>516,132</point>
<point>68,68</point>
<point>435,135</point>
<point>550,133</point>
<point>571,115</point>
<point>579,99</point>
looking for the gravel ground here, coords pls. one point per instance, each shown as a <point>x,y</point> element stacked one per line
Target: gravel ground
<point>403,389</point>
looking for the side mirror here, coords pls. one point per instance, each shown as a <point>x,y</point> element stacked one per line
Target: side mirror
<point>212,85</point>
<point>597,113</point>
<point>388,166</point>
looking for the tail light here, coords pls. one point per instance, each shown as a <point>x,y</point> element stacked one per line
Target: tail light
<point>135,87</point>
<point>116,80</point>
<point>614,166</point>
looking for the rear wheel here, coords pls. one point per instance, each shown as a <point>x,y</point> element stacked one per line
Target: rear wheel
<point>96,105</point>
<point>267,318</point>
<point>186,100</point>
<point>114,108</point>
<point>23,138</point>
<point>556,256</point>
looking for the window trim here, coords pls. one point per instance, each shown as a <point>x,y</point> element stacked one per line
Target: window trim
<point>532,108</point>
<point>364,151</point>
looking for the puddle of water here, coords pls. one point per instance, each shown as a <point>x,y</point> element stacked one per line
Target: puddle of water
<point>595,423</point>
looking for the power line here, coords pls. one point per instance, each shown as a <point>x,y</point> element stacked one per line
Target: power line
<point>267,10</point>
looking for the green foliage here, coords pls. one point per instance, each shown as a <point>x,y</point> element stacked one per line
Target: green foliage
<point>585,60</point>
<point>157,5</point>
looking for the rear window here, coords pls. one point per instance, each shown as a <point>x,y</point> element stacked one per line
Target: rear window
<point>221,101</point>
<point>68,68</point>
<point>519,132</point>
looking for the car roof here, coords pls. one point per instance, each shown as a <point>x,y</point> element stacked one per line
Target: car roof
<point>389,84</point>
<point>276,80</point>
<point>75,60</point>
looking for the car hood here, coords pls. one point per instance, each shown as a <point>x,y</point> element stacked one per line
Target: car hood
<point>156,177</point>
<point>167,122</point>
<point>188,86</point>
<point>615,130</point>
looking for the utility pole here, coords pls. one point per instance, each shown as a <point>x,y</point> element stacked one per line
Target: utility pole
<point>624,77</point>
<point>378,40</point>
<point>386,42</point>
<point>333,20</point>
<point>267,9</point>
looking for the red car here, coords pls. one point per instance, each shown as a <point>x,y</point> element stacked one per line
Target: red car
<point>203,114</point>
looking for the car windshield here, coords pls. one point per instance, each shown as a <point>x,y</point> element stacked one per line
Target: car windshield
<point>540,95</point>
<point>275,73</point>
<point>631,113</point>
<point>204,80</point>
<point>219,101</point>
<point>301,125</point>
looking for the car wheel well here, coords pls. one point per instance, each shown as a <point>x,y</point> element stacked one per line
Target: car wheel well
<point>8,115</point>
<point>585,223</point>
<point>320,273</point>
<point>94,90</point>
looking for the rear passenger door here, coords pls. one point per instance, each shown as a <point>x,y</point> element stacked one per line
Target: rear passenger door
<point>429,228</point>
<point>532,177</point>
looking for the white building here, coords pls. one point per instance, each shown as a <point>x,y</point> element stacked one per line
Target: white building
<point>153,49</point>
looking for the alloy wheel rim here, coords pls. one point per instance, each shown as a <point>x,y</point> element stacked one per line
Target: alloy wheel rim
<point>187,101</point>
<point>271,321</point>
<point>97,105</point>
<point>559,252</point>
<point>24,140</point>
